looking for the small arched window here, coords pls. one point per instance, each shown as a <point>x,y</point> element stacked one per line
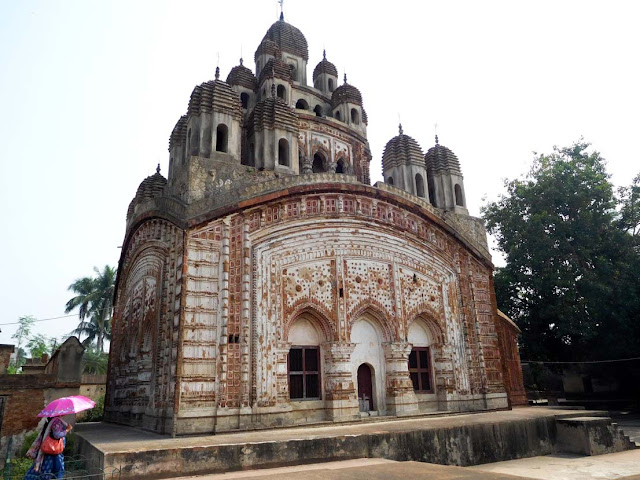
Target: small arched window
<point>244,98</point>
<point>337,115</point>
<point>419,185</point>
<point>340,166</point>
<point>432,190</point>
<point>293,71</point>
<point>355,116</point>
<point>302,105</point>
<point>318,163</point>
<point>318,110</point>
<point>390,180</point>
<point>300,161</point>
<point>281,92</point>
<point>458,191</point>
<point>222,133</point>
<point>283,152</point>
<point>330,82</point>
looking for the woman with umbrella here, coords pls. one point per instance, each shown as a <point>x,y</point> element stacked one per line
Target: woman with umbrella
<point>47,449</point>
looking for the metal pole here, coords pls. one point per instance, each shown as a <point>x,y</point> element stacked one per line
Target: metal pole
<point>7,462</point>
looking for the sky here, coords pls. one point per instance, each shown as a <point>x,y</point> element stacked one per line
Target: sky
<point>90,91</point>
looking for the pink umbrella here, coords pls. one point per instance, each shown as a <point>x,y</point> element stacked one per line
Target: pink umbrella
<point>67,405</point>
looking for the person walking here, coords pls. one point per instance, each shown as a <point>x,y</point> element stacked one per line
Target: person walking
<point>48,447</point>
<point>47,451</point>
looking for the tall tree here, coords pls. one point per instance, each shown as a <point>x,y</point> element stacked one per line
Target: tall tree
<point>38,345</point>
<point>25,325</point>
<point>94,301</point>
<point>567,259</point>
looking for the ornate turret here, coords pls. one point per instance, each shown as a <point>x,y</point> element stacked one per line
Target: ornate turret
<point>272,131</point>
<point>291,42</point>
<point>346,101</point>
<point>325,75</point>
<point>403,165</point>
<point>245,84</point>
<point>213,119</point>
<point>150,188</point>
<point>446,187</point>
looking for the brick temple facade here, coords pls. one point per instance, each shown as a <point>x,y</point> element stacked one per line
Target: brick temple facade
<point>265,282</point>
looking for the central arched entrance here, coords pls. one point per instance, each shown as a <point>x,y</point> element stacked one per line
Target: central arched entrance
<point>365,388</point>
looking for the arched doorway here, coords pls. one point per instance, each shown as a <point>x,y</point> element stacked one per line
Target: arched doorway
<point>365,388</point>
<point>367,335</point>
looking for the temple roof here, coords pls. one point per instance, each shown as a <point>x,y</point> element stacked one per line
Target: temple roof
<point>287,37</point>
<point>276,68</point>
<point>273,112</point>
<point>346,93</point>
<point>150,188</point>
<point>242,76</point>
<point>440,157</point>
<point>325,66</point>
<point>179,133</point>
<point>402,150</point>
<point>214,95</point>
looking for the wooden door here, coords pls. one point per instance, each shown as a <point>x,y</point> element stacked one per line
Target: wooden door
<point>365,389</point>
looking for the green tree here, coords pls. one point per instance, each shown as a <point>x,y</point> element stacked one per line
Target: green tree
<point>567,259</point>
<point>94,301</point>
<point>630,211</point>
<point>25,325</point>
<point>94,362</point>
<point>38,345</point>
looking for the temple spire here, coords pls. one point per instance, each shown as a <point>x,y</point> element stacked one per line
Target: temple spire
<point>281,2</point>
<point>158,169</point>
<point>400,129</point>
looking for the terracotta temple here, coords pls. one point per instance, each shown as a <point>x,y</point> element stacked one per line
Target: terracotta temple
<point>265,282</point>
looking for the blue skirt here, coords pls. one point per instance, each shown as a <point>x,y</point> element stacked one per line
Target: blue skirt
<point>52,467</point>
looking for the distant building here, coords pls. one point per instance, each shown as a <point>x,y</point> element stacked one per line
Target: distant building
<point>266,283</point>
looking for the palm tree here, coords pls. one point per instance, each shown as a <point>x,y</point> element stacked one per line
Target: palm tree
<point>94,301</point>
<point>91,328</point>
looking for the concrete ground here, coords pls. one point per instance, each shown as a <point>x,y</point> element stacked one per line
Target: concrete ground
<point>360,469</point>
<point>570,467</point>
<point>614,466</point>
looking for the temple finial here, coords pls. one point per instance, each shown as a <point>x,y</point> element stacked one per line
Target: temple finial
<point>324,54</point>
<point>240,61</point>
<point>437,140</point>
<point>217,73</point>
<point>158,169</point>
<point>435,129</point>
<point>281,2</point>
<point>345,77</point>
<point>400,129</point>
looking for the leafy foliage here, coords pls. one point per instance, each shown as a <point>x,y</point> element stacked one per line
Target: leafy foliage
<point>22,333</point>
<point>38,345</point>
<point>96,413</point>
<point>94,301</point>
<point>95,362</point>
<point>568,280</point>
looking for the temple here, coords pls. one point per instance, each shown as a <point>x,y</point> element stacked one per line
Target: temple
<point>265,282</point>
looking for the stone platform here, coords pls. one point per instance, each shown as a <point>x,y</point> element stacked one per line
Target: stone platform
<point>453,439</point>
